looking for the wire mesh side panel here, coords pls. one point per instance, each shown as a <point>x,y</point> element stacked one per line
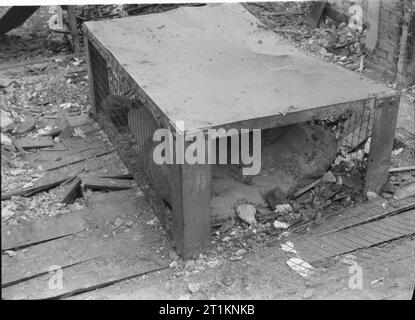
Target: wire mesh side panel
<point>121,107</point>
<point>356,127</point>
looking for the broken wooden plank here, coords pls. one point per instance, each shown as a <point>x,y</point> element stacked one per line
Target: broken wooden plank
<point>303,190</point>
<point>36,143</point>
<point>315,13</point>
<point>71,191</point>
<point>82,156</point>
<point>86,276</point>
<point>401,169</point>
<point>97,240</point>
<point>6,66</point>
<point>43,184</point>
<point>110,175</point>
<point>30,233</point>
<point>95,183</point>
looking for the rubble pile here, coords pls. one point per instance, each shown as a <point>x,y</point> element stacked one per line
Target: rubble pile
<point>333,41</point>
<point>101,12</point>
<point>313,201</point>
<point>43,106</point>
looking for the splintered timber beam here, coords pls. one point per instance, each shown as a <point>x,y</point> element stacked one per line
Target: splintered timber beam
<point>401,169</point>
<point>44,185</point>
<point>96,183</point>
<point>97,152</point>
<point>71,191</point>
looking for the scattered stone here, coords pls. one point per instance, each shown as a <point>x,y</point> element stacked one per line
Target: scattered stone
<point>247,212</point>
<point>372,196</point>
<point>193,287</point>
<point>308,293</point>
<point>152,222</point>
<point>283,208</point>
<point>118,222</point>
<point>129,223</point>
<point>10,253</point>
<point>173,265</point>
<point>280,225</point>
<point>329,177</point>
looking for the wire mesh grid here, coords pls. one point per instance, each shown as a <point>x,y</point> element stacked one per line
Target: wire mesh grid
<point>121,107</point>
<point>357,127</point>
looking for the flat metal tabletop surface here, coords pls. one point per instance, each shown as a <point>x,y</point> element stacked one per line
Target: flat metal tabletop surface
<point>218,64</point>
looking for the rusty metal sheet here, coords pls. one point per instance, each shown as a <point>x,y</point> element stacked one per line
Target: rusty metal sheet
<point>218,64</point>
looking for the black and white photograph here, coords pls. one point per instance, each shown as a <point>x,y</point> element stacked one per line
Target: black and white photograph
<point>207,156</point>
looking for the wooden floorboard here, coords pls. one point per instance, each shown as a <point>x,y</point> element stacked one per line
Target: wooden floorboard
<point>99,255</point>
<point>14,236</point>
<point>358,237</point>
<point>89,275</point>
